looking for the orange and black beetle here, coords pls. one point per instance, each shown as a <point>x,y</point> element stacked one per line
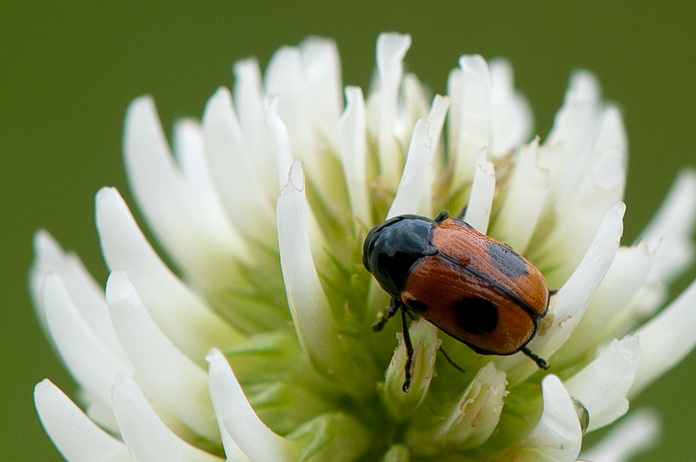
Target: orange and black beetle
<point>474,288</point>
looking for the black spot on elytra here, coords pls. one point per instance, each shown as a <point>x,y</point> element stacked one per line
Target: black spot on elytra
<point>416,305</point>
<point>506,260</point>
<point>476,315</point>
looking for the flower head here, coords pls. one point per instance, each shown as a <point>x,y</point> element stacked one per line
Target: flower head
<point>252,340</point>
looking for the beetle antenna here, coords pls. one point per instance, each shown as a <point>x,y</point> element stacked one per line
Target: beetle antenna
<point>409,352</point>
<point>442,216</point>
<point>461,214</point>
<point>449,360</point>
<point>541,362</point>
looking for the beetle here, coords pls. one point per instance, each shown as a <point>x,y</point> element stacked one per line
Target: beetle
<point>474,288</point>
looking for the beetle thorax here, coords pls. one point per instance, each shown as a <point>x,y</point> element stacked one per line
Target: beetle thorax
<point>392,249</point>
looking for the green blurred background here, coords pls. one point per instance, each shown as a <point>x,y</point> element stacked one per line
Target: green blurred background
<point>68,70</point>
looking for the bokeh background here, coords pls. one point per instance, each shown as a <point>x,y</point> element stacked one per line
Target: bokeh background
<point>68,69</point>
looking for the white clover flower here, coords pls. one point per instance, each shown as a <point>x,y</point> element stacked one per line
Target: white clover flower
<point>252,339</point>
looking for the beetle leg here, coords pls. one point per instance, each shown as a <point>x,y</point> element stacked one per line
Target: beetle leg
<point>541,362</point>
<point>410,314</point>
<point>409,352</point>
<point>449,360</point>
<point>394,305</point>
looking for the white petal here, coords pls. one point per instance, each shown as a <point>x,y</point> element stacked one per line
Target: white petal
<point>567,149</point>
<point>573,126</point>
<point>321,93</point>
<point>189,224</point>
<point>472,132</point>
<point>575,294</point>
<point>616,307</point>
<point>609,155</point>
<point>176,310</point>
<point>170,378</point>
<point>235,168</point>
<point>237,418</point>
<point>600,170</point>
<point>101,413</point>
<point>436,117</point>
<point>413,105</point>
<point>557,436</point>
<point>77,438</point>
<point>634,434</point>
<point>400,404</point>
<point>672,226</point>
<point>85,293</point>
<point>306,81</point>
<point>47,257</point>
<point>478,209</point>
<point>524,201</point>
<point>414,194</point>
<point>145,435</point>
<point>277,128</point>
<point>321,69</point>
<point>391,49</point>
<point>511,116</point>
<point>284,79</point>
<point>250,102</point>
<point>89,361</point>
<point>569,304</point>
<point>353,151</point>
<point>309,306</point>
<point>472,420</point>
<point>595,182</point>
<point>299,272</point>
<point>603,384</point>
<point>667,339</point>
<point>189,145</point>
<point>455,90</point>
